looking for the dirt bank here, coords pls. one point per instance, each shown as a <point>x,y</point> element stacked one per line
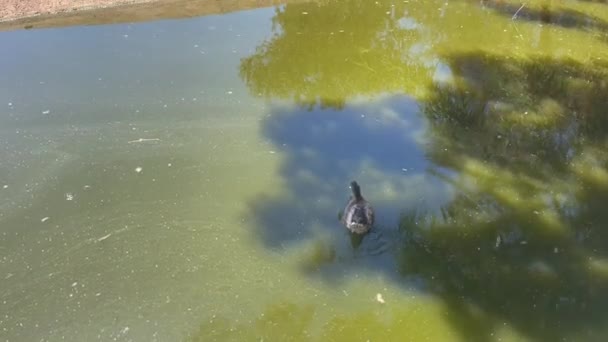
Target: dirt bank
<point>19,9</point>
<point>19,14</point>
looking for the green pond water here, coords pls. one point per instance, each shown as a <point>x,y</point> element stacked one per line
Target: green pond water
<point>182,180</point>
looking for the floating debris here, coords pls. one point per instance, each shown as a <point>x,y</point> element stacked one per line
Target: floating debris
<point>143,140</point>
<point>45,112</point>
<point>44,219</point>
<point>379,298</point>
<point>138,169</point>
<point>74,284</point>
<point>104,237</point>
<point>498,241</point>
<point>305,13</point>
<point>229,92</point>
<point>169,165</point>
<point>10,104</point>
<point>69,197</point>
<point>5,186</point>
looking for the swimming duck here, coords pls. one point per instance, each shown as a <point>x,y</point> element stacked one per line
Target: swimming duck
<point>358,216</point>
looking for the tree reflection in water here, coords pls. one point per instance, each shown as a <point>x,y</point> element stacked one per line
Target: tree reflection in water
<point>521,139</point>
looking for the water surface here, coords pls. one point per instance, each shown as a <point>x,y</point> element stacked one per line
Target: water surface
<point>181,180</point>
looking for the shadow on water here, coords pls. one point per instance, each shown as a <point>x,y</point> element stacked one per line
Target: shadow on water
<point>595,1</point>
<point>546,14</point>
<point>524,241</point>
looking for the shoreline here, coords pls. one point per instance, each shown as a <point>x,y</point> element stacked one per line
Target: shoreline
<point>33,14</point>
<point>21,10</point>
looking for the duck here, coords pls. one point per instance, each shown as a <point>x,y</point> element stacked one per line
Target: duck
<point>358,216</point>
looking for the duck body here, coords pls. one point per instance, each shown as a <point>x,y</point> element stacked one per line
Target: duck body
<point>358,216</point>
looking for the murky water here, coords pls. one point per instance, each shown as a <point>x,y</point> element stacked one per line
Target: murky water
<point>182,180</point>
